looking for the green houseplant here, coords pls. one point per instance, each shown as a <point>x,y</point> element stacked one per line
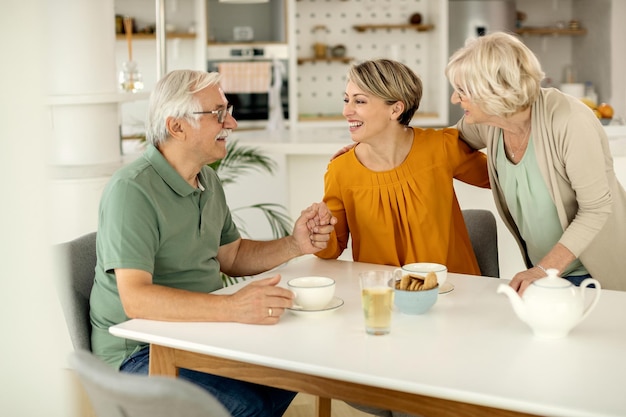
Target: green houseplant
<point>239,161</point>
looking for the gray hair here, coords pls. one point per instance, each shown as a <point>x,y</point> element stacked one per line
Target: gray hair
<point>173,96</point>
<point>391,81</point>
<point>497,72</point>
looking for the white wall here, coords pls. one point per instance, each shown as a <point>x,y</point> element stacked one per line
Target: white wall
<point>32,378</point>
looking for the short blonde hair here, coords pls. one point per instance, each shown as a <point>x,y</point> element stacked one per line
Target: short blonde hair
<point>497,72</point>
<point>391,81</point>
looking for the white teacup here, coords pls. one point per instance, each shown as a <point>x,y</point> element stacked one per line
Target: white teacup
<point>312,293</point>
<point>422,268</point>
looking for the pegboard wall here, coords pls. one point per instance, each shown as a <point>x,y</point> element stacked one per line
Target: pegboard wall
<point>321,84</point>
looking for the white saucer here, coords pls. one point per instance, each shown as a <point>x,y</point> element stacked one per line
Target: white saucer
<point>446,288</point>
<point>334,304</point>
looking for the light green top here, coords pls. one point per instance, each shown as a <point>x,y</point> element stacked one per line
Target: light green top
<point>574,159</point>
<point>151,219</point>
<point>531,207</point>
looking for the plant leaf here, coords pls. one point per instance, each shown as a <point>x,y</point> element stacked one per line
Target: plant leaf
<point>241,159</point>
<point>279,221</point>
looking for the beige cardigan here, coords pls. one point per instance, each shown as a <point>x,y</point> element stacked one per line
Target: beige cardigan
<point>573,154</point>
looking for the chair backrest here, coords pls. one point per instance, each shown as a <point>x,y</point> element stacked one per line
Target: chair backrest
<point>483,233</point>
<point>118,394</point>
<point>78,260</point>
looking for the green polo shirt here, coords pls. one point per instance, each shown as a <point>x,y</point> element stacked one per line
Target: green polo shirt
<point>151,219</point>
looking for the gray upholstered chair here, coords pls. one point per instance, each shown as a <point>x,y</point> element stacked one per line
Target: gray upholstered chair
<point>78,262</point>
<point>483,233</point>
<point>118,394</point>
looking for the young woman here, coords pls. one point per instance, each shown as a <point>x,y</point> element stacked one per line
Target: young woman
<point>393,192</point>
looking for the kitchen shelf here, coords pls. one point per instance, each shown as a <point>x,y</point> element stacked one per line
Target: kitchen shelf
<point>543,31</point>
<point>342,59</point>
<point>171,35</point>
<point>419,28</point>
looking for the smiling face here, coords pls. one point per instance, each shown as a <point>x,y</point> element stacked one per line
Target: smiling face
<point>207,139</point>
<point>368,116</point>
<point>472,111</point>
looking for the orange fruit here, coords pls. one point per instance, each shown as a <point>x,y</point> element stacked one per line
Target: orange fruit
<point>605,110</point>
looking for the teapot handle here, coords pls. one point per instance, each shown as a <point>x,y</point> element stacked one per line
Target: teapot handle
<point>583,288</point>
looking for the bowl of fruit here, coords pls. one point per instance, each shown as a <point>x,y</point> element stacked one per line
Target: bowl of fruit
<point>603,111</point>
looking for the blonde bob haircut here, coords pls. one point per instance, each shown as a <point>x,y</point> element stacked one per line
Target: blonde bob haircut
<point>497,72</point>
<point>173,96</point>
<point>391,81</point>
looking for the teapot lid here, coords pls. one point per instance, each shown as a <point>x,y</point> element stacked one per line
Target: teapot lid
<point>552,280</point>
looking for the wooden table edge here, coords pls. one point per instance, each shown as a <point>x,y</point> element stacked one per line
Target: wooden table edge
<point>166,361</point>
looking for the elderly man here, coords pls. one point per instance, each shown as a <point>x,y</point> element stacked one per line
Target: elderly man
<point>165,233</point>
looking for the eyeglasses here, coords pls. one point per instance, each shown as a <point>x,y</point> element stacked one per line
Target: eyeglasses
<point>461,95</point>
<point>221,113</point>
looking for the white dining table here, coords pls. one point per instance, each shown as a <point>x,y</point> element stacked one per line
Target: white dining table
<point>469,355</point>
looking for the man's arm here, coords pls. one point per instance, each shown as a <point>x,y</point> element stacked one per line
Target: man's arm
<point>249,257</point>
<point>141,298</point>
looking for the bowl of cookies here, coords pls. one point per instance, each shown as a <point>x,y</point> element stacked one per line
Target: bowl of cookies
<point>415,293</point>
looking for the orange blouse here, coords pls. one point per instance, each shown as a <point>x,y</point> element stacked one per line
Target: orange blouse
<point>408,214</point>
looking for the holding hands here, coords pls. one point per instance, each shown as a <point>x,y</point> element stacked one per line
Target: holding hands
<point>313,228</point>
<point>263,301</point>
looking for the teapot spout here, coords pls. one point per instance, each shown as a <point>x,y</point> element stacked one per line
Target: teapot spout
<point>518,305</point>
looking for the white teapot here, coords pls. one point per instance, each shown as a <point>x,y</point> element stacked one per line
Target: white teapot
<point>552,306</point>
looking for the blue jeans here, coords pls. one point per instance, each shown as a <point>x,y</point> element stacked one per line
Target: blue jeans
<point>577,280</point>
<point>241,399</point>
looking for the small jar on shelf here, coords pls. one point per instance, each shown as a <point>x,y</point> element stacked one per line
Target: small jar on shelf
<point>320,46</point>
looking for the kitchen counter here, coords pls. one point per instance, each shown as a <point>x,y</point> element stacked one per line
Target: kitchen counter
<point>299,141</point>
<point>327,140</point>
<point>617,140</point>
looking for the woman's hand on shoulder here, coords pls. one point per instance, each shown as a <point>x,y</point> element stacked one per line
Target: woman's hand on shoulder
<point>342,150</point>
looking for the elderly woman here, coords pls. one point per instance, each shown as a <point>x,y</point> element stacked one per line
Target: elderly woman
<point>393,192</point>
<point>550,168</point>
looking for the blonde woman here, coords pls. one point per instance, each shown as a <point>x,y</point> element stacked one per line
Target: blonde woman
<point>550,166</point>
<point>393,192</point>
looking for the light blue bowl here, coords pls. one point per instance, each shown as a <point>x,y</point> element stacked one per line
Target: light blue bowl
<point>415,302</point>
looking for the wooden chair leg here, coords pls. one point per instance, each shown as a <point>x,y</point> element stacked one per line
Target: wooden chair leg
<point>322,407</point>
